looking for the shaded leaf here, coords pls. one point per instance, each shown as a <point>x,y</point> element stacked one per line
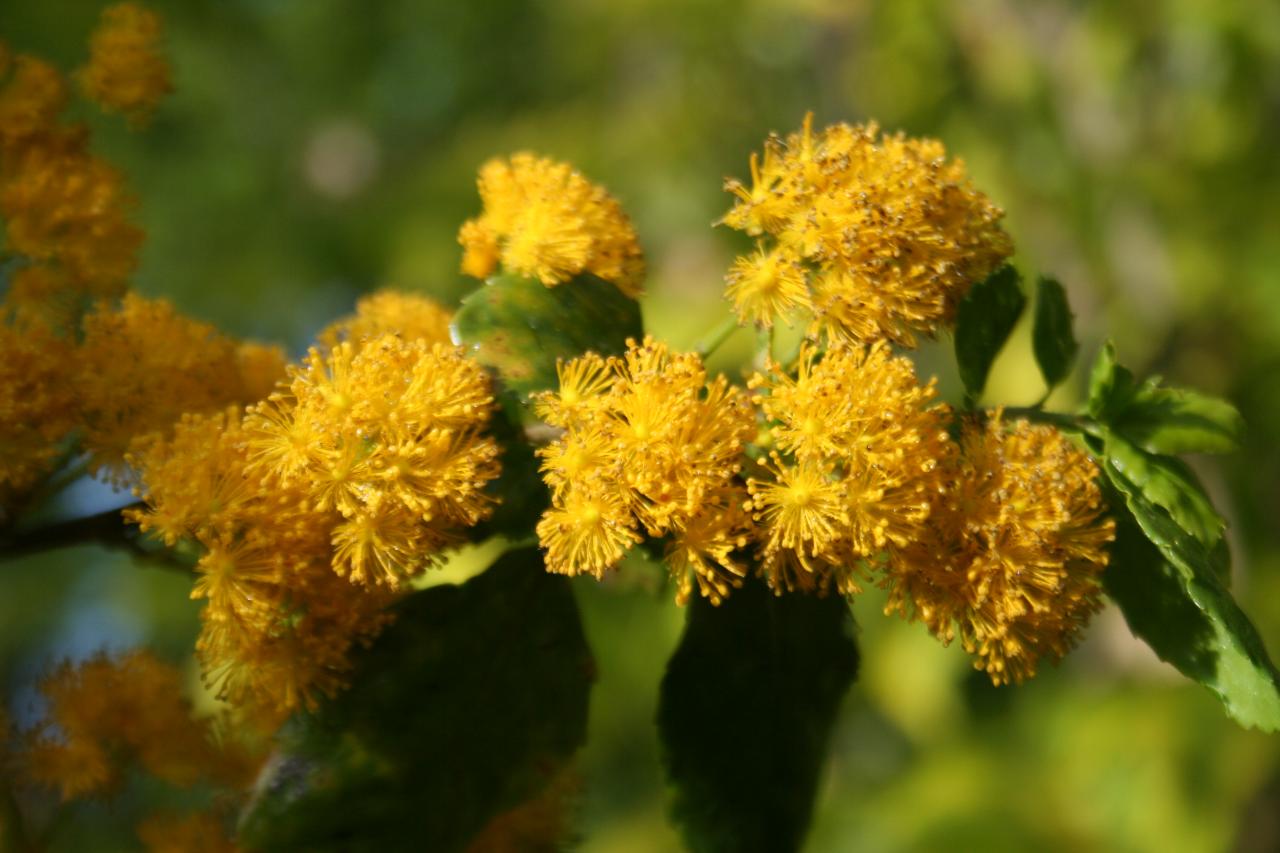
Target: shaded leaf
<point>1187,617</point>
<point>1168,483</point>
<point>468,705</point>
<point>1052,338</point>
<point>985,319</point>
<point>1178,420</point>
<point>519,327</point>
<point>520,490</point>
<point>745,711</point>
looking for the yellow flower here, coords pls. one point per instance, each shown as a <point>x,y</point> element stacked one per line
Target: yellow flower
<point>389,434</point>
<point>767,285</point>
<point>144,365</point>
<point>891,233</point>
<point>106,715</point>
<point>1013,551</point>
<point>544,220</point>
<point>866,444</point>
<point>278,622</point>
<point>30,101</point>
<point>38,405</point>
<point>649,444</point>
<point>702,549</point>
<point>408,315</point>
<point>127,73</point>
<point>586,532</point>
<point>63,206</point>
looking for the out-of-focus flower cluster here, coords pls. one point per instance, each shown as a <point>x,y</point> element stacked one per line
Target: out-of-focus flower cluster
<point>544,220</point>
<point>83,370</point>
<point>107,719</point>
<point>315,506</point>
<point>875,237</point>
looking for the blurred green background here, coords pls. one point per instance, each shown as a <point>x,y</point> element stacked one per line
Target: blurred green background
<point>316,149</point>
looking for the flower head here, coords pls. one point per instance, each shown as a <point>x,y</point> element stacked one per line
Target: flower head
<point>409,315</point>
<point>544,220</point>
<point>127,73</point>
<point>863,444</point>
<point>650,445</point>
<point>887,233</point>
<point>1012,552</point>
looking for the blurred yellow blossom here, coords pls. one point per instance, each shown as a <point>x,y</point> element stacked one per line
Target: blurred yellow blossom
<point>108,715</point>
<point>143,365</point>
<point>411,316</point>
<point>126,72</point>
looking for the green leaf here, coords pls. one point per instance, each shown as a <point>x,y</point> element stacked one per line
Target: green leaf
<point>745,711</point>
<point>468,705</point>
<point>519,327</point>
<point>1110,385</point>
<point>1178,420</point>
<point>519,488</point>
<point>1168,483</point>
<point>1188,618</point>
<point>1052,339</point>
<point>985,319</point>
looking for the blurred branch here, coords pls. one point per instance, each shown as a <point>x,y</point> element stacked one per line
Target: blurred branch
<point>107,529</point>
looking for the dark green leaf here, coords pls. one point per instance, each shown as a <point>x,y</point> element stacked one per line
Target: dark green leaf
<point>745,712</point>
<point>1187,617</point>
<point>1110,385</point>
<point>465,707</point>
<point>985,319</point>
<point>1178,420</point>
<point>520,327</point>
<point>520,490</point>
<point>1168,483</point>
<point>1052,339</point>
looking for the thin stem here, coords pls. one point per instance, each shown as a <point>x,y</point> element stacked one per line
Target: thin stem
<point>717,336</point>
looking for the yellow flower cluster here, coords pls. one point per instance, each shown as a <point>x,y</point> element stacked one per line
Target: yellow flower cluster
<point>106,716</point>
<point>65,211</point>
<point>389,434</point>
<point>1011,556</point>
<point>856,462</point>
<point>38,405</point>
<point>143,365</point>
<point>316,506</point>
<point>544,220</point>
<point>390,311</point>
<point>878,237</point>
<point>126,72</point>
<point>279,624</point>
<point>649,445</point>
<point>137,367</point>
